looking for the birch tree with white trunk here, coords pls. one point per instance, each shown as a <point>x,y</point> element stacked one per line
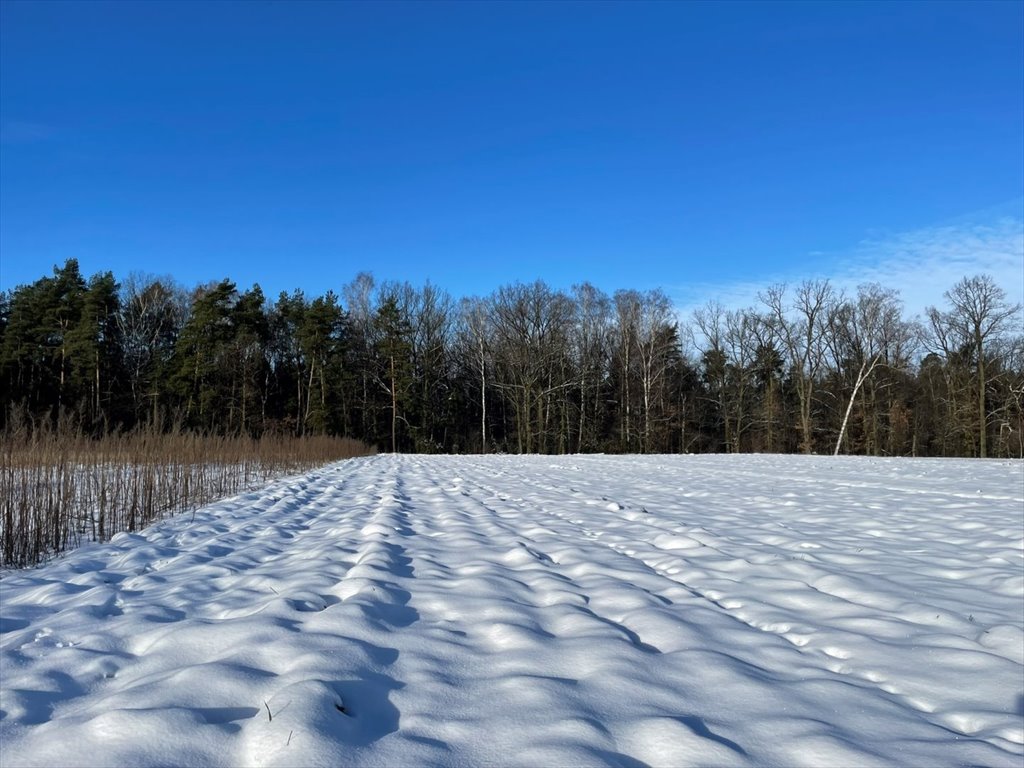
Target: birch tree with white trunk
<point>867,333</point>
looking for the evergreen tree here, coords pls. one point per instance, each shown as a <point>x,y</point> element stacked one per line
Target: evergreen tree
<point>322,341</point>
<point>394,368</point>
<point>202,362</point>
<point>251,336</point>
<point>93,347</point>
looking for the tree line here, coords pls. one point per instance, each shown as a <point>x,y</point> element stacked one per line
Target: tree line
<point>526,369</point>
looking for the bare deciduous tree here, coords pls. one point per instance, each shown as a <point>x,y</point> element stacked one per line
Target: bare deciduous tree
<point>802,327</point>
<point>978,314</point>
<point>474,343</point>
<point>591,332</point>
<point>153,311</point>
<point>866,334</point>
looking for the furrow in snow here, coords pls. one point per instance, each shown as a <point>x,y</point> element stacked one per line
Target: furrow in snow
<point>618,611</point>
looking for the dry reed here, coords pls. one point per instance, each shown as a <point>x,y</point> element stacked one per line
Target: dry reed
<point>59,488</point>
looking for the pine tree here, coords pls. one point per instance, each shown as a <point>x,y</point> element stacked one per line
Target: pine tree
<point>393,356</point>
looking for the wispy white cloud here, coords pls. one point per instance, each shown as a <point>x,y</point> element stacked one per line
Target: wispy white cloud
<point>926,263</point>
<point>921,264</point>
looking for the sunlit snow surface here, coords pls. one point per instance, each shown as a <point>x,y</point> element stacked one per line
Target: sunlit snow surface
<point>394,611</point>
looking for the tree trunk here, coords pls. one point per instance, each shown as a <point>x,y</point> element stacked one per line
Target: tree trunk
<point>96,411</point>
<point>394,409</point>
<point>483,401</point>
<point>982,421</point>
<point>862,375</point>
<point>309,395</point>
<point>583,407</point>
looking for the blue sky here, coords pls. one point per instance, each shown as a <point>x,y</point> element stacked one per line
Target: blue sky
<point>702,148</point>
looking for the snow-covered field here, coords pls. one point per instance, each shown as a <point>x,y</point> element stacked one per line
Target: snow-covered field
<point>623,611</point>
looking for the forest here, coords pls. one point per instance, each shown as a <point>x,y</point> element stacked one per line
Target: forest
<point>526,369</point>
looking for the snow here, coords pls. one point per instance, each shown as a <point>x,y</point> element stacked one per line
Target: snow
<point>623,611</point>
